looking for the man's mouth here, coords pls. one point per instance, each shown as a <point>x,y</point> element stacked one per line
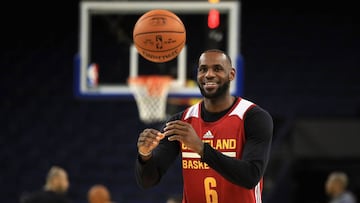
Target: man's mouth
<point>210,85</point>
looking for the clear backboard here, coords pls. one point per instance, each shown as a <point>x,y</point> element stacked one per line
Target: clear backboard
<point>107,56</point>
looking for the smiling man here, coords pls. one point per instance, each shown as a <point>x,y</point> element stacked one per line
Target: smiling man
<point>224,141</point>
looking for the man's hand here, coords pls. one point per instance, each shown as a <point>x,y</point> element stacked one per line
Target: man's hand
<point>148,140</point>
<point>184,133</point>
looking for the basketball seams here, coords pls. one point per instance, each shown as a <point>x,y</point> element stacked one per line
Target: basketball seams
<point>163,15</point>
<point>163,31</point>
<point>165,50</point>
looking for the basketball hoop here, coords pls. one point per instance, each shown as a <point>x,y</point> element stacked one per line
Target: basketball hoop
<point>150,94</point>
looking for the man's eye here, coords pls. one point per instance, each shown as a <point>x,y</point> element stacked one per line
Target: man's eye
<point>217,68</point>
<point>202,69</point>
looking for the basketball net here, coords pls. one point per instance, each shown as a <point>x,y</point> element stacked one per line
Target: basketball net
<point>150,93</point>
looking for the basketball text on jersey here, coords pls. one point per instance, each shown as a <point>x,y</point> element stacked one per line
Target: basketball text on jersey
<point>219,144</point>
<point>193,161</point>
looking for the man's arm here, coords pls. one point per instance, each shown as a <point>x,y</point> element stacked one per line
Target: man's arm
<point>248,170</point>
<point>148,173</point>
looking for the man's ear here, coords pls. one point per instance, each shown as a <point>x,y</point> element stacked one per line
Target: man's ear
<point>232,74</point>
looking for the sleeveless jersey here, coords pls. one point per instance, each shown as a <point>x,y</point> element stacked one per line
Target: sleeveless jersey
<point>202,184</point>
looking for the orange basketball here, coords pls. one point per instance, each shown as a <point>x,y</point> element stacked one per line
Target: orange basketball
<point>159,35</point>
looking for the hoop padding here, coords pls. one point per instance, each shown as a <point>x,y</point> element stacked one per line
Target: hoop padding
<point>150,93</point>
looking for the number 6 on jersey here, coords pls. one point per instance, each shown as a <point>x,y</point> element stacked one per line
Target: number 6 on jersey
<point>210,192</point>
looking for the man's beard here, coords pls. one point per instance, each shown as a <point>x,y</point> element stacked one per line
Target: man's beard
<point>221,91</point>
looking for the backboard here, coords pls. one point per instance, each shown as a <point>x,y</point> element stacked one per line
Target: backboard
<point>107,56</point>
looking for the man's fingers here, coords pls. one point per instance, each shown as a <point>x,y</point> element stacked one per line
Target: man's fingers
<point>180,125</point>
<point>177,123</point>
<point>160,136</point>
<point>174,138</point>
<point>150,133</point>
<point>150,138</point>
<point>173,132</point>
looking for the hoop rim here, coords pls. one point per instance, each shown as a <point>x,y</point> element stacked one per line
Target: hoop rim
<point>144,79</point>
<point>156,85</point>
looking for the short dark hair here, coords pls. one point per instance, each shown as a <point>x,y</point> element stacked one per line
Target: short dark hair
<point>220,51</point>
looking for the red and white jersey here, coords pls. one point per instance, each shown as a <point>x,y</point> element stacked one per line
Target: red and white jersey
<point>202,184</point>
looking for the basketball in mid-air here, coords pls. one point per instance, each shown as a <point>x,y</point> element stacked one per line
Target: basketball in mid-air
<point>159,35</point>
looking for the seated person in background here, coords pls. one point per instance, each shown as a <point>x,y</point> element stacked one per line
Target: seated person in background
<point>99,194</point>
<point>174,199</point>
<point>336,188</point>
<point>56,186</point>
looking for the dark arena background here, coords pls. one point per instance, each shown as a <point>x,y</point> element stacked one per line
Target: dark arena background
<point>301,63</point>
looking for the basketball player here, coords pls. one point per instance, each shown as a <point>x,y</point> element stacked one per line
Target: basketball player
<point>56,186</point>
<point>224,141</point>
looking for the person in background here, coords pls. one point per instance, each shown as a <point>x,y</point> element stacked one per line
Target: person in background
<point>99,194</point>
<point>336,188</point>
<point>56,186</point>
<point>174,199</point>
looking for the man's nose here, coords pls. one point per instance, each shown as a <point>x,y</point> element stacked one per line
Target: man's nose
<point>209,73</point>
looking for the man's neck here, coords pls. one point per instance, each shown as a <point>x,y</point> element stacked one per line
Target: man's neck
<point>218,104</point>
